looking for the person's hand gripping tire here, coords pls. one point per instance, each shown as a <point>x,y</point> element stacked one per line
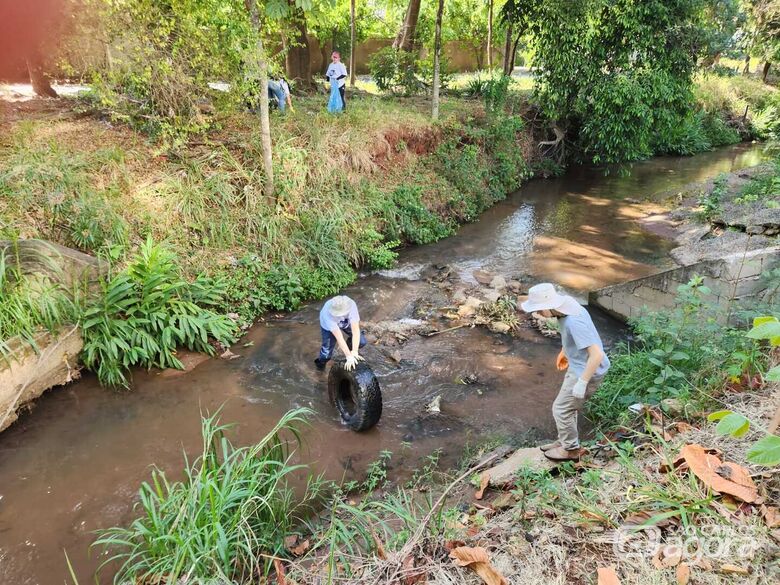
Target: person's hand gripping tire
<point>352,361</point>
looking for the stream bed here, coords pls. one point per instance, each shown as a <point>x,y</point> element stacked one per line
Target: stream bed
<point>74,463</point>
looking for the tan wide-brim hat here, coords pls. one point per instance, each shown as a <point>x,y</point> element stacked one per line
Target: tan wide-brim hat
<point>339,306</point>
<point>543,297</point>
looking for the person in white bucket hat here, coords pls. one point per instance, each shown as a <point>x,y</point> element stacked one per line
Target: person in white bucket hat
<point>340,324</point>
<point>582,356</point>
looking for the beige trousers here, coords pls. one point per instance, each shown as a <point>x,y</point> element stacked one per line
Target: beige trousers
<point>566,408</point>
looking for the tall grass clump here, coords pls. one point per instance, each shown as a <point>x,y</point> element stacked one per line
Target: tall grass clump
<point>29,304</point>
<point>65,195</point>
<point>738,100</point>
<point>148,310</point>
<point>224,521</point>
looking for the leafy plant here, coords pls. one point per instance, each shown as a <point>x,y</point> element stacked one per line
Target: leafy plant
<point>765,451</point>
<point>145,312</point>
<point>710,203</point>
<point>679,353</point>
<point>225,520</point>
<point>396,71</point>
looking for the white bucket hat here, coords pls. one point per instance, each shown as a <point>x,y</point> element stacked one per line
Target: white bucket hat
<point>339,306</point>
<point>544,297</point>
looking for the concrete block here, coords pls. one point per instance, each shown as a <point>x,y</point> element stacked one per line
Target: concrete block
<point>27,374</point>
<point>531,458</point>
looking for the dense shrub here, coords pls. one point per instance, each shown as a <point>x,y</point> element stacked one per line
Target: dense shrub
<point>679,353</point>
<point>395,71</point>
<point>148,310</point>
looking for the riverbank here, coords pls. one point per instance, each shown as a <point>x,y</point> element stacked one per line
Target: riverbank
<point>490,385</point>
<point>350,191</point>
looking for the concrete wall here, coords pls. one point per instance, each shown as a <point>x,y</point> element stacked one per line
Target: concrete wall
<point>65,265</point>
<point>735,277</point>
<point>29,371</point>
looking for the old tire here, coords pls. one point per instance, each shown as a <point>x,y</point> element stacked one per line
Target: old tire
<point>356,395</point>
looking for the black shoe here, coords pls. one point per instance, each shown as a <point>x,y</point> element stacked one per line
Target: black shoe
<point>320,364</point>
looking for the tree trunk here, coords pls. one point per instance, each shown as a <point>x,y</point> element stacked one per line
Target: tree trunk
<point>405,39</point>
<point>260,65</point>
<point>436,55</point>
<point>746,69</point>
<point>297,59</point>
<point>765,72</point>
<point>40,83</point>
<point>490,35</point>
<point>513,55</point>
<point>352,43</point>
<point>508,64</point>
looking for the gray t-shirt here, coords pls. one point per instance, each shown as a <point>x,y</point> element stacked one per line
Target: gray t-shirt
<point>329,323</point>
<point>577,334</point>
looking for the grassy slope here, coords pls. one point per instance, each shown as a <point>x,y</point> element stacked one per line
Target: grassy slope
<point>349,188</point>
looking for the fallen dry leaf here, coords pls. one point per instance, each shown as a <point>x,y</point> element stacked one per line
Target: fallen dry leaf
<point>724,478</point>
<point>452,544</point>
<point>673,559</point>
<point>411,577</point>
<point>682,427</point>
<point>290,541</point>
<point>380,548</point>
<point>683,574</point>
<point>301,549</point>
<point>642,518</point>
<point>484,480</point>
<point>477,559</point>
<point>734,570</point>
<point>771,516</point>
<point>656,561</point>
<point>595,516</point>
<point>280,572</point>
<point>607,576</point>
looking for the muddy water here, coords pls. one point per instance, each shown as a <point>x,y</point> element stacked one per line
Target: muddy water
<point>74,463</point>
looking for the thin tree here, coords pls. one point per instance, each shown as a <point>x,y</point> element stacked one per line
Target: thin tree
<point>436,60</point>
<point>490,35</point>
<point>507,64</point>
<point>260,65</point>
<point>352,43</point>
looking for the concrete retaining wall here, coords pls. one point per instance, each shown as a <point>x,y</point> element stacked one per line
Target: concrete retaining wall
<point>732,278</point>
<point>29,373</point>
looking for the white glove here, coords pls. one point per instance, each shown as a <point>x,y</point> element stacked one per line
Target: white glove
<point>351,363</point>
<point>578,391</point>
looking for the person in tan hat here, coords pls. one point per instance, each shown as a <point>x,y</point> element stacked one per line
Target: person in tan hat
<point>340,324</point>
<point>583,358</point>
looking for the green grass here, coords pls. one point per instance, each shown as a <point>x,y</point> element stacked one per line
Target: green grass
<point>30,304</point>
<point>224,521</point>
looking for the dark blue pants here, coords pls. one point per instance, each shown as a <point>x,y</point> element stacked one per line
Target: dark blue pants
<point>329,342</point>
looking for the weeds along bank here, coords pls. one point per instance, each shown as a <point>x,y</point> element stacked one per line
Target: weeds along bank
<point>350,190</point>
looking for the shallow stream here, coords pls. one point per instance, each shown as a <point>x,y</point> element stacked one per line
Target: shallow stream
<point>75,462</point>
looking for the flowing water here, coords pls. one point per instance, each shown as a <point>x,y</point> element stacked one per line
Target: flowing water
<point>74,463</point>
